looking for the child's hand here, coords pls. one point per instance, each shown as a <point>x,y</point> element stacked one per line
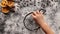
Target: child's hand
<point>38,16</point>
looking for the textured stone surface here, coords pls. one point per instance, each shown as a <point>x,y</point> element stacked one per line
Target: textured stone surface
<point>13,22</point>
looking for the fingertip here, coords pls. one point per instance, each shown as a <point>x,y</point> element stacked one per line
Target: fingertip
<point>33,15</point>
<point>37,11</point>
<point>41,12</point>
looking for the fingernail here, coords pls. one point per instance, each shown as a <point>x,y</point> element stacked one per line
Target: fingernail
<point>41,12</point>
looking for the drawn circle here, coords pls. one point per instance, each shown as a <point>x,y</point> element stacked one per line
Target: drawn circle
<point>29,23</point>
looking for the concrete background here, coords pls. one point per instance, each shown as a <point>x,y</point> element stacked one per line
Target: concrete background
<point>12,23</point>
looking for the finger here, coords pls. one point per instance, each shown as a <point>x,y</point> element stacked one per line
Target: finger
<point>41,12</point>
<point>37,11</point>
<point>34,13</point>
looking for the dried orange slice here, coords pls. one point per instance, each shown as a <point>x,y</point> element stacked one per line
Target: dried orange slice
<point>6,3</point>
<point>10,3</point>
<point>5,10</point>
<point>3,3</point>
<point>9,0</point>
